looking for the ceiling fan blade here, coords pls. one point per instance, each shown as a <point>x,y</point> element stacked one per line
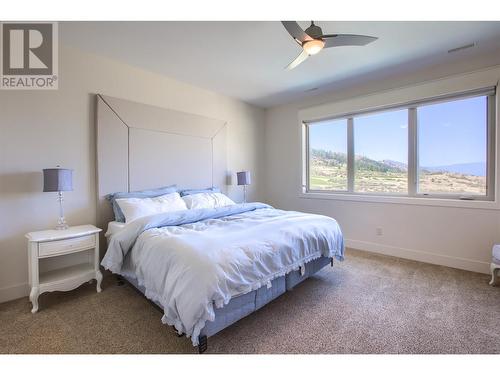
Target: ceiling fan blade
<point>337,40</point>
<point>295,31</point>
<point>299,59</point>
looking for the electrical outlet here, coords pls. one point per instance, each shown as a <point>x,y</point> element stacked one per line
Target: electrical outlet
<point>379,231</point>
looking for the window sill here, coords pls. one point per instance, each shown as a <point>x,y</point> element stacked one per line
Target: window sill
<point>438,202</point>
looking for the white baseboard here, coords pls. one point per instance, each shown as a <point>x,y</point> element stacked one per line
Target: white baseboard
<point>14,292</point>
<point>421,256</point>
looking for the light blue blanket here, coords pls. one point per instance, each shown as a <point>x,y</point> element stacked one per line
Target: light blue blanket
<point>122,242</point>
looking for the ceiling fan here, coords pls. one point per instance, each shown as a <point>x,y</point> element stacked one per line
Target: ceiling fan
<point>312,40</point>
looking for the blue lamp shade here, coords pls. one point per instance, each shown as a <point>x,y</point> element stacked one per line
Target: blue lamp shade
<point>57,179</point>
<point>244,178</point>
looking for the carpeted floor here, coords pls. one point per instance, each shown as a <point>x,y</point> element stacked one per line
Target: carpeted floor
<point>367,304</point>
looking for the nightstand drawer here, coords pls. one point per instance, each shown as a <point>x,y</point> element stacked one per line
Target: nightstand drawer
<point>46,249</point>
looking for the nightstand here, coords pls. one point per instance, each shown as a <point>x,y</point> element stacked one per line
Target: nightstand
<point>56,243</point>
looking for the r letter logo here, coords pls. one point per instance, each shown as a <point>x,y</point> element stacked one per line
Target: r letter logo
<point>28,56</point>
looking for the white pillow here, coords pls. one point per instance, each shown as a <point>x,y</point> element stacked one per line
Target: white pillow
<point>134,208</point>
<point>207,200</point>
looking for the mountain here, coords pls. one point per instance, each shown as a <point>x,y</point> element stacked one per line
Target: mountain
<point>331,158</point>
<point>396,164</point>
<point>367,164</point>
<point>474,169</point>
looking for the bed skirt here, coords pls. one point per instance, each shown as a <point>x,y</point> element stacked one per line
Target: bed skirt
<point>244,305</point>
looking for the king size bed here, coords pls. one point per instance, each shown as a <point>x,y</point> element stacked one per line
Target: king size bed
<point>206,266</point>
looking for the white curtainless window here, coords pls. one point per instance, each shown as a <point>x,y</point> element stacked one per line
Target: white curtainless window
<point>328,155</point>
<point>381,152</point>
<point>440,148</point>
<point>453,147</point>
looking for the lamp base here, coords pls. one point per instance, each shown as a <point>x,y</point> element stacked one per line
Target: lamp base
<point>61,224</point>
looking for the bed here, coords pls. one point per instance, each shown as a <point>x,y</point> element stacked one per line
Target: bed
<point>205,268</point>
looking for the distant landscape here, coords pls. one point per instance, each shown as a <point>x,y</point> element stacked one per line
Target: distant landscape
<point>329,172</point>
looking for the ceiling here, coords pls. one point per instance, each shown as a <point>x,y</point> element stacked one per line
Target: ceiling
<point>246,60</point>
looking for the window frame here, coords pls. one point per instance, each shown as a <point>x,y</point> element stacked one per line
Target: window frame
<point>413,170</point>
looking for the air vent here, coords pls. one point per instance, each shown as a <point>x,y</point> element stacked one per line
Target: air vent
<point>461,48</point>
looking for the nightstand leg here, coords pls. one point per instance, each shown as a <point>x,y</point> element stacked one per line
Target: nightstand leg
<point>98,274</point>
<point>493,269</point>
<point>34,299</point>
<point>98,277</point>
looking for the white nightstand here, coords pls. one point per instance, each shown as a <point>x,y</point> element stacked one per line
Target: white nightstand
<point>54,243</point>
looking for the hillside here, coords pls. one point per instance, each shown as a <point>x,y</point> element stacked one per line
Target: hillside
<point>330,158</point>
<point>329,172</point>
<point>474,169</point>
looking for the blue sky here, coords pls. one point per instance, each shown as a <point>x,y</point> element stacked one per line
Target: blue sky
<point>449,133</point>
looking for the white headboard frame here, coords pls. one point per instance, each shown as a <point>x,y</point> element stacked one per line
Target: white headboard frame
<point>140,146</point>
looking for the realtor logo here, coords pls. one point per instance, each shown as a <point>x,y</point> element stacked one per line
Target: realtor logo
<point>28,56</point>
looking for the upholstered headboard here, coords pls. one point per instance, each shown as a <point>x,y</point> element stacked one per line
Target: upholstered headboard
<point>141,146</point>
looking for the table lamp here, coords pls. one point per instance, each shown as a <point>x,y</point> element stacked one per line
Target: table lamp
<point>244,179</point>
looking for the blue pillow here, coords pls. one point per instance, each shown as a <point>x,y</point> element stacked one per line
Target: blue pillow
<point>198,191</point>
<point>119,216</point>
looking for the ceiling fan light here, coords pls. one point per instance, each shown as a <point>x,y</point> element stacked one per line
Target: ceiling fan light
<point>312,47</point>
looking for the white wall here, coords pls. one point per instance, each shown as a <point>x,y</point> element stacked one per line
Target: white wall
<point>41,129</point>
<point>459,237</point>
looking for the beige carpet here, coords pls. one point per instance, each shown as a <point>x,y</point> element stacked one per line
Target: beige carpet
<point>367,304</point>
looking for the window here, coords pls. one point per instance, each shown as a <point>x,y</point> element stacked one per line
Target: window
<point>328,155</point>
<point>439,148</point>
<point>452,147</point>
<point>381,152</point>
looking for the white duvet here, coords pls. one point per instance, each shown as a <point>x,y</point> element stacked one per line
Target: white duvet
<point>191,268</point>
